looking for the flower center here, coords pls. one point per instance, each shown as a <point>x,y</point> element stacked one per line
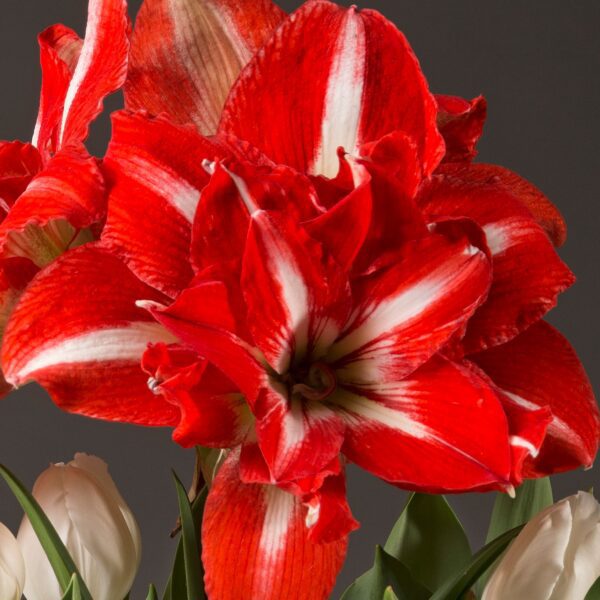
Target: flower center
<point>315,383</point>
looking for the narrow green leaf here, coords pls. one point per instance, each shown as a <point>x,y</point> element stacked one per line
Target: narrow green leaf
<point>387,571</point>
<point>531,497</point>
<point>389,594</point>
<point>429,540</point>
<point>62,564</point>
<point>191,550</point>
<point>152,594</point>
<point>594,593</point>
<point>74,590</point>
<point>460,583</point>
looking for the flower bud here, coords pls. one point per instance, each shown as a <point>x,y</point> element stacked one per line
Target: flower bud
<point>12,567</point>
<point>93,521</point>
<point>554,557</point>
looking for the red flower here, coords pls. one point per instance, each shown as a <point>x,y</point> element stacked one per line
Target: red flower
<point>295,303</point>
<point>52,193</point>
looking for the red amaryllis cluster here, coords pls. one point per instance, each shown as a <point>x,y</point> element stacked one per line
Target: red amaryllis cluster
<point>288,253</point>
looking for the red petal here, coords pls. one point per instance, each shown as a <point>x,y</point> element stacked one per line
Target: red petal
<point>19,162</point>
<point>156,172</point>
<point>537,369</point>
<point>213,412</point>
<point>461,124</point>
<point>234,191</point>
<point>255,544</point>
<point>55,210</point>
<point>405,314</point>
<point>528,274</point>
<point>60,48</point>
<point>201,319</point>
<point>78,332</point>
<point>425,432</point>
<point>101,68</point>
<point>332,77</point>
<point>299,438</point>
<point>295,298</point>
<point>185,55</point>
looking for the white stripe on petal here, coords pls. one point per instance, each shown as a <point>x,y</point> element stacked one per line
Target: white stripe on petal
<point>111,344</point>
<point>180,194</point>
<point>278,518</point>
<point>344,97</point>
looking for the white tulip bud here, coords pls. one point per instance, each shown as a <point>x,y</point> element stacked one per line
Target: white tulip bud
<point>12,567</point>
<point>555,557</point>
<point>93,521</point>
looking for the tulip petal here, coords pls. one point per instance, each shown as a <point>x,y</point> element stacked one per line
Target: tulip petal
<point>185,55</point>
<point>461,124</point>
<point>19,162</point>
<point>12,566</point>
<point>424,431</point>
<point>332,77</point>
<point>406,313</point>
<point>528,274</point>
<point>156,172</point>
<point>101,69</point>
<point>56,210</point>
<point>540,369</point>
<point>255,544</point>
<point>82,337</point>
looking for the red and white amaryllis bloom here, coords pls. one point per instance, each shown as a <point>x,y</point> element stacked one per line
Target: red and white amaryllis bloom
<point>52,193</point>
<point>260,290</point>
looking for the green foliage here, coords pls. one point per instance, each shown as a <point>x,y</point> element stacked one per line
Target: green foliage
<point>531,497</point>
<point>74,590</point>
<point>62,564</point>
<point>461,582</point>
<point>594,593</point>
<point>429,540</point>
<point>152,594</point>
<point>386,572</point>
<point>186,580</point>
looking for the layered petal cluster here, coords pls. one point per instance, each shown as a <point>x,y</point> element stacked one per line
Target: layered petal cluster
<point>301,264</point>
<point>52,192</point>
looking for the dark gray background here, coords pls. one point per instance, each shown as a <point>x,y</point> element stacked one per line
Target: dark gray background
<point>538,64</point>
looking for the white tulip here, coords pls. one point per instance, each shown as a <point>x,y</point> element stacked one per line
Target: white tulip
<point>12,567</point>
<point>93,521</point>
<point>555,557</point>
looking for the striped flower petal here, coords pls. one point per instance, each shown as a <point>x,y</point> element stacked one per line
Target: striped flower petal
<point>537,369</point>
<point>330,77</point>
<point>425,431</point>
<point>56,210</point>
<point>186,54</point>
<point>528,274</point>
<point>256,543</point>
<point>19,163</point>
<point>82,337</point>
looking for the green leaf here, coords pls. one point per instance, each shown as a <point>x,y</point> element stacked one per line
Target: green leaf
<point>460,583</point>
<point>429,540</point>
<point>62,564</point>
<point>74,590</point>
<point>152,594</point>
<point>387,571</point>
<point>594,593</point>
<point>389,594</point>
<point>187,575</point>
<point>531,497</point>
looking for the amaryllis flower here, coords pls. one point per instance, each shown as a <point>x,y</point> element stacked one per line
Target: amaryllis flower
<point>261,290</point>
<point>52,193</point>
